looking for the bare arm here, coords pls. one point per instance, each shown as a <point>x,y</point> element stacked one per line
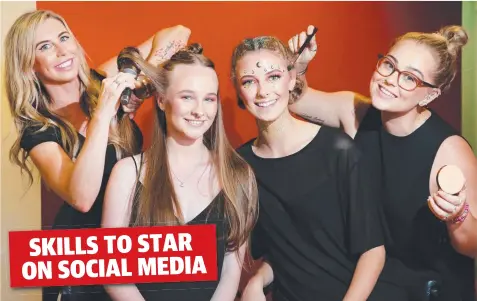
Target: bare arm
<point>343,109</point>
<point>154,50</point>
<point>79,182</point>
<point>230,277</point>
<point>456,151</point>
<point>116,214</point>
<point>368,269</point>
<point>337,109</point>
<point>110,67</point>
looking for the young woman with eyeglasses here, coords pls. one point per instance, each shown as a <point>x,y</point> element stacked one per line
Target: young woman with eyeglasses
<point>433,233</point>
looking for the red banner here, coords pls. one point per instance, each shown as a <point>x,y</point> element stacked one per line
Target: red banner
<point>113,256</point>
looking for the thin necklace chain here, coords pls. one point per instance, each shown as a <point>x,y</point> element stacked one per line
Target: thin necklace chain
<point>182,182</point>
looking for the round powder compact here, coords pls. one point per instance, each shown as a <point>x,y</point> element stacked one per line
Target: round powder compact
<point>450,179</point>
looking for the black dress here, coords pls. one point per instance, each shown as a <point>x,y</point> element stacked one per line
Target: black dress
<point>421,251</point>
<point>67,216</point>
<point>317,216</point>
<point>190,291</point>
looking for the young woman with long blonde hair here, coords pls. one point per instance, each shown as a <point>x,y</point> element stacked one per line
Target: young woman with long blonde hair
<point>68,117</point>
<point>191,175</point>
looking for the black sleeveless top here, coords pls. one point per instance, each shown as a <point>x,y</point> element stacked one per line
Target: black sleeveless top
<point>67,216</point>
<point>420,249</point>
<point>189,291</point>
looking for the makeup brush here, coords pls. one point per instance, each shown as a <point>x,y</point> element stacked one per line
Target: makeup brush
<point>305,44</point>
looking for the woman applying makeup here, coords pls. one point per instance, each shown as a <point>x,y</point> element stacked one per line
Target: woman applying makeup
<point>319,227</point>
<point>68,118</point>
<point>433,232</point>
<point>189,176</point>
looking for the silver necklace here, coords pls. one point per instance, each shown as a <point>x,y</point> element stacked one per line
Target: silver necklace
<point>182,182</point>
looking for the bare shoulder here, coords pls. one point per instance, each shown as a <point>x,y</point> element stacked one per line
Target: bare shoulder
<point>456,151</point>
<point>125,170</point>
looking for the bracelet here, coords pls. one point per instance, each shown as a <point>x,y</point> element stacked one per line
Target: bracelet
<point>462,216</point>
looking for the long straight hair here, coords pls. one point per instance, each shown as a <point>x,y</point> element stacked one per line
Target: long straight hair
<point>157,202</point>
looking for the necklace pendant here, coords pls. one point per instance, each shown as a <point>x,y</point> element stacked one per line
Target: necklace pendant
<point>181,184</point>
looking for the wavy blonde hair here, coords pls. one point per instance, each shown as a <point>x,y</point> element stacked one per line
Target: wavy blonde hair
<point>155,204</point>
<point>30,104</point>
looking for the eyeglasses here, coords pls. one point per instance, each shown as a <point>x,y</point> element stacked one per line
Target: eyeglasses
<point>406,80</point>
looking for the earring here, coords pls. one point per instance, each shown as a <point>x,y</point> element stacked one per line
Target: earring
<point>425,101</point>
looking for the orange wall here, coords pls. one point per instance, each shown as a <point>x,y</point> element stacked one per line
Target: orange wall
<point>351,34</point>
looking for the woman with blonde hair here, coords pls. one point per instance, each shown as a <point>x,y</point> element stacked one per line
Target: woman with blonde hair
<point>320,230</point>
<point>67,116</point>
<point>190,175</point>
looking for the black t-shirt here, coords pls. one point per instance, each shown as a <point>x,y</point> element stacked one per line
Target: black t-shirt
<point>68,217</point>
<point>317,216</point>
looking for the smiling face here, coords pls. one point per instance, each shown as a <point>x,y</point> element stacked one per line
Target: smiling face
<point>190,101</point>
<point>264,83</point>
<point>56,53</point>
<point>389,93</point>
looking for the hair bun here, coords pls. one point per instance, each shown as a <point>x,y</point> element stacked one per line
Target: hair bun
<point>456,37</point>
<point>195,48</point>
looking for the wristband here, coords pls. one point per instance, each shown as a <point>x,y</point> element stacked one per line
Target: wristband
<point>459,219</point>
